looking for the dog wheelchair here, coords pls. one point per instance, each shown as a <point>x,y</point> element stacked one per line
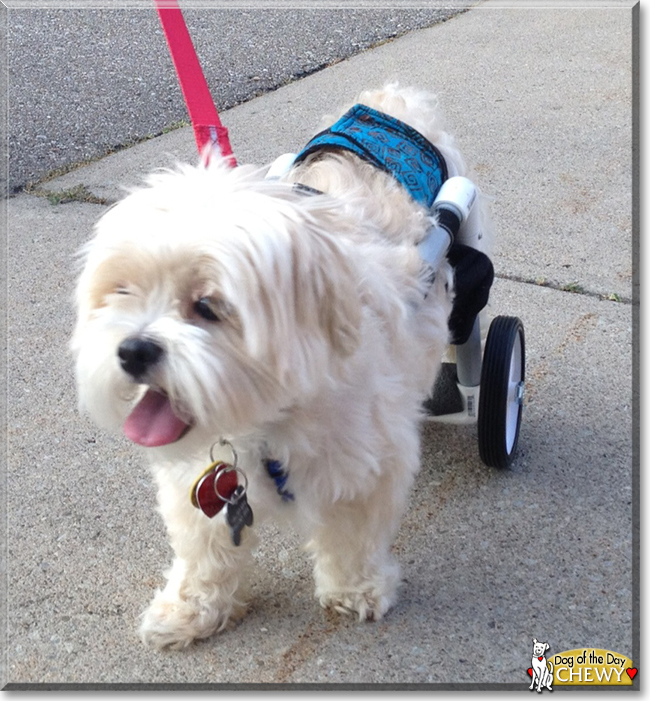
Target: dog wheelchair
<point>482,386</point>
<point>479,383</point>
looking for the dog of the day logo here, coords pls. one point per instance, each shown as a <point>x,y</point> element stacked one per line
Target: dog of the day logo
<point>579,667</point>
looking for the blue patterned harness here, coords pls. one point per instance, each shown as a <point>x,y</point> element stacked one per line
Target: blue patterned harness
<point>400,150</point>
<point>389,144</point>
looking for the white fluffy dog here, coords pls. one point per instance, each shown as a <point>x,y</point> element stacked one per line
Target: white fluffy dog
<point>216,304</point>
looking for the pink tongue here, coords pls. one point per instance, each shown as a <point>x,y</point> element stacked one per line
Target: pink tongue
<point>152,422</point>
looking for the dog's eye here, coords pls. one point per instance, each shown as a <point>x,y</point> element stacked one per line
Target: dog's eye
<point>122,290</point>
<point>210,309</point>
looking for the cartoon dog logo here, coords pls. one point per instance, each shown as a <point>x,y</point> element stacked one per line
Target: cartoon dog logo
<point>540,671</point>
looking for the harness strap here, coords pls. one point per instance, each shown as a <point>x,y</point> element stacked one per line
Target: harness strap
<point>209,133</point>
<point>389,144</point>
<point>306,190</point>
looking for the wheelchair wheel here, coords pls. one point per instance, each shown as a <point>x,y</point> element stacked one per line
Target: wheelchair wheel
<point>502,389</point>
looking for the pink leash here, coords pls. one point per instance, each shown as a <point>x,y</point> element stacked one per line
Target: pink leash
<point>209,133</point>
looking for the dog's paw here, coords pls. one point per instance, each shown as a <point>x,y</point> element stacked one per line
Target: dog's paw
<point>369,606</point>
<point>174,623</point>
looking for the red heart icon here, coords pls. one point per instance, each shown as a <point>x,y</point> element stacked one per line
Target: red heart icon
<point>530,671</point>
<point>631,672</point>
<point>541,658</point>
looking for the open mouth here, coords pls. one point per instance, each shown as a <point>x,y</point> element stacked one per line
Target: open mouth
<point>153,423</point>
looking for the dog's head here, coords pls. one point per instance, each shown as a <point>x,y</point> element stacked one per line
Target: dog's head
<point>539,648</point>
<point>210,300</point>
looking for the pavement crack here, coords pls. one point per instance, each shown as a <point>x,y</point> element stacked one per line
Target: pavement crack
<point>78,193</point>
<point>573,287</point>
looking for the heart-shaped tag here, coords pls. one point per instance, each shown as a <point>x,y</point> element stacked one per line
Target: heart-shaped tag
<point>631,672</point>
<point>213,488</point>
<point>541,658</point>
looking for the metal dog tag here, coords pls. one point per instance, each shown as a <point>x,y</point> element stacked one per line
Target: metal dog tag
<point>238,514</point>
<point>214,488</point>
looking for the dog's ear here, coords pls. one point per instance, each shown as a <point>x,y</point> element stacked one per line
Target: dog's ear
<point>534,641</point>
<point>547,646</point>
<point>326,290</point>
<point>292,283</point>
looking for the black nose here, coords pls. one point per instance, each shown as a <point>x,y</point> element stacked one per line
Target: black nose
<point>137,355</point>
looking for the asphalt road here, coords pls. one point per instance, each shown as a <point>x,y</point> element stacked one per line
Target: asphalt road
<point>85,82</point>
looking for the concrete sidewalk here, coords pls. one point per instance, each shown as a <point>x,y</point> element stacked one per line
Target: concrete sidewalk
<point>541,103</point>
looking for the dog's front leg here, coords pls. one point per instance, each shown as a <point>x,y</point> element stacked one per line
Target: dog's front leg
<point>204,588</point>
<point>354,568</point>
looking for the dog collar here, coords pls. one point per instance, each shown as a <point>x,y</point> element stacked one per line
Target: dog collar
<point>279,475</point>
<point>389,144</point>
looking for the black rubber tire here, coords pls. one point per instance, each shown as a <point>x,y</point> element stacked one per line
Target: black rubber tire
<point>499,413</point>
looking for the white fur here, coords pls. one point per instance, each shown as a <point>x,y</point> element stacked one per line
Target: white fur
<point>325,350</point>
